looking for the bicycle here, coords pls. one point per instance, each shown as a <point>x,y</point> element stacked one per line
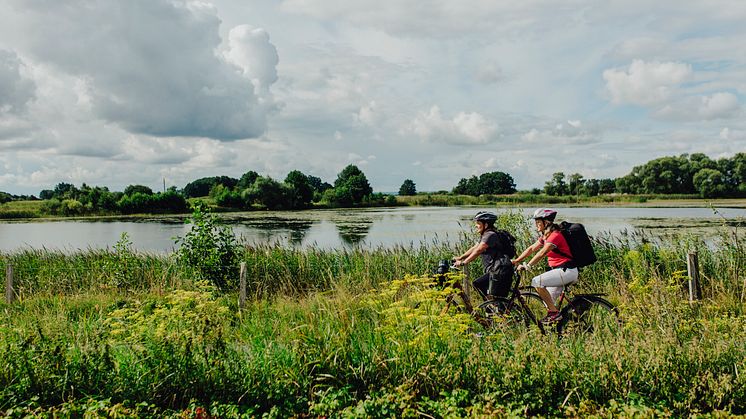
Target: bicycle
<point>460,297</point>
<point>516,310</point>
<point>586,312</point>
<point>589,312</point>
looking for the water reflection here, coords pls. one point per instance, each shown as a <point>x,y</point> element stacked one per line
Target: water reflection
<point>353,231</point>
<point>271,228</point>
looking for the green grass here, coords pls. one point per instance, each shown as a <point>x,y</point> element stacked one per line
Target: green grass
<point>435,199</point>
<point>20,209</point>
<point>328,333</point>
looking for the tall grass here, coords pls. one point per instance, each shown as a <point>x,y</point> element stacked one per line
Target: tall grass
<point>328,333</point>
<point>20,210</point>
<point>441,199</point>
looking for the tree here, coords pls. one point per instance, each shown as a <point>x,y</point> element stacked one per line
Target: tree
<point>247,179</point>
<point>709,183</point>
<point>318,185</point>
<point>131,189</point>
<point>496,183</point>
<point>468,186</point>
<point>226,197</point>
<point>408,188</point>
<point>557,185</point>
<point>487,183</point>
<point>65,191</point>
<point>301,191</point>
<point>351,187</point>
<point>606,186</point>
<point>202,186</point>
<point>269,193</point>
<point>591,187</point>
<point>574,184</point>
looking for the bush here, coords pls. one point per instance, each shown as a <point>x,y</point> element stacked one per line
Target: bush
<point>209,249</point>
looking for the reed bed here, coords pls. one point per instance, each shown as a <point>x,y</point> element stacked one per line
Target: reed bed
<point>361,333</point>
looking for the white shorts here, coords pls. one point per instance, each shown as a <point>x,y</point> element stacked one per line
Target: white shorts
<point>555,280</point>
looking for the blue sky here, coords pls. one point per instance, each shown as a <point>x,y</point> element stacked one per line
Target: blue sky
<point>134,92</point>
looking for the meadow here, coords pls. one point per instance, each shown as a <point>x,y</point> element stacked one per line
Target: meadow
<point>362,333</point>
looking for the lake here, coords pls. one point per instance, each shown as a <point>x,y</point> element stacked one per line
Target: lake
<point>344,227</point>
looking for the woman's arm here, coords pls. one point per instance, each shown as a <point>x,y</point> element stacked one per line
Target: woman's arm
<point>531,249</point>
<point>543,252</point>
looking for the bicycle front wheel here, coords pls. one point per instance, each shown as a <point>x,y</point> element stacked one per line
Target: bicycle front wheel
<point>590,314</point>
<point>535,304</point>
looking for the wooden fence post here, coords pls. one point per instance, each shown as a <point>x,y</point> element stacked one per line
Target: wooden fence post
<point>242,287</point>
<point>9,295</point>
<point>692,267</point>
<point>466,289</point>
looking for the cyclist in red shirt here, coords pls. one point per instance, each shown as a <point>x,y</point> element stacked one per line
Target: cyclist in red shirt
<point>552,244</point>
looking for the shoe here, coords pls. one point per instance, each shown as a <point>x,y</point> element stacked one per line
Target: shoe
<point>552,317</point>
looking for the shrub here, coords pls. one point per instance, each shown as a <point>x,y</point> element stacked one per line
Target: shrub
<point>209,249</point>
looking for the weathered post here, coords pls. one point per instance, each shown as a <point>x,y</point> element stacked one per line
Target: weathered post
<point>692,267</point>
<point>466,290</point>
<point>9,283</point>
<point>242,287</point>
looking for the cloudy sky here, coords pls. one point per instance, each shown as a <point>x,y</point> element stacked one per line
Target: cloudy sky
<point>113,93</point>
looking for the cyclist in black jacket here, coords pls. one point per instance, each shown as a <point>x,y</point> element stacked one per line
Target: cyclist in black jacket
<point>489,249</point>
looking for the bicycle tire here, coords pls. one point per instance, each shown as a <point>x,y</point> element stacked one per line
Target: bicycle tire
<point>503,313</point>
<point>535,304</point>
<point>590,314</point>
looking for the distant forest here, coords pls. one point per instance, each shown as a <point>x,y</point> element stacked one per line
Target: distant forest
<point>686,174</point>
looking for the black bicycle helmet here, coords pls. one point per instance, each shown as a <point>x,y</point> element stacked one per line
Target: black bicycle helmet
<point>544,214</point>
<point>485,217</point>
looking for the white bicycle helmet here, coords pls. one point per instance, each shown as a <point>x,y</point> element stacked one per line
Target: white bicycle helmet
<point>544,214</point>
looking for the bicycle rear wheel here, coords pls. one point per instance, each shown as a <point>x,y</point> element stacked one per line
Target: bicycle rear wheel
<point>590,314</point>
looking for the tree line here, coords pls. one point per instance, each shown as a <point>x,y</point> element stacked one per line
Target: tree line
<point>251,191</point>
<point>686,174</point>
<point>689,174</point>
<point>68,200</point>
<point>297,191</point>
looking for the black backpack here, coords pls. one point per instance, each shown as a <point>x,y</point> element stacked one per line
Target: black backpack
<point>505,243</point>
<point>501,270</point>
<point>579,242</point>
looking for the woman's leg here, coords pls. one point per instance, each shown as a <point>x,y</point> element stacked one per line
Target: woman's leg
<point>544,294</point>
<point>553,281</point>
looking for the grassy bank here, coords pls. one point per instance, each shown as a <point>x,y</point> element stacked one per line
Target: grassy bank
<point>520,199</point>
<point>28,210</point>
<point>361,334</point>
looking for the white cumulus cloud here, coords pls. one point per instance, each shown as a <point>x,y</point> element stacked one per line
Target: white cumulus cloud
<point>251,50</point>
<point>645,83</point>
<point>720,105</point>
<point>464,128</point>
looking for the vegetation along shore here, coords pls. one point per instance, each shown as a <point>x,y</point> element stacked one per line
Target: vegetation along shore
<point>360,333</point>
<point>680,178</point>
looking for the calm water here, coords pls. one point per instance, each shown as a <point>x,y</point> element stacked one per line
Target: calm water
<point>341,228</point>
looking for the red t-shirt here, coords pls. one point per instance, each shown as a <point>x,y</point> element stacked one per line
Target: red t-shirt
<point>554,258</point>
